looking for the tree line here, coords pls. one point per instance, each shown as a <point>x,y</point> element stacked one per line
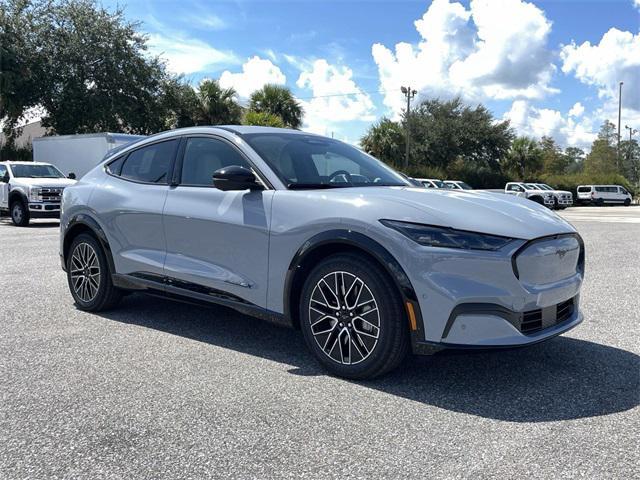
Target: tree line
<point>89,70</point>
<point>449,139</point>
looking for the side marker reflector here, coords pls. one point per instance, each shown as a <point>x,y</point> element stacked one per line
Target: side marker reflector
<point>412,316</point>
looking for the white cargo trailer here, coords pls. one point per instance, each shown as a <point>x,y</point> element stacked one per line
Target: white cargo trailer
<point>78,153</point>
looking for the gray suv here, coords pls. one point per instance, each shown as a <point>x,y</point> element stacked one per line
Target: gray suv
<point>312,233</point>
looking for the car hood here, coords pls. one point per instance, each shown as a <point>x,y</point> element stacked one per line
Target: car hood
<point>43,182</point>
<point>493,213</point>
<point>560,191</point>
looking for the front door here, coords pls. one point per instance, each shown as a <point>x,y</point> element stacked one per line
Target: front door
<point>217,241</point>
<point>4,188</point>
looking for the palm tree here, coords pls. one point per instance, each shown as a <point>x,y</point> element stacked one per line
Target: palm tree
<point>385,140</point>
<point>524,157</point>
<point>217,105</point>
<point>277,100</point>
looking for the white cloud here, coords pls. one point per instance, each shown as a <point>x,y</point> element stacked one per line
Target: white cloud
<point>494,50</point>
<point>636,3</point>
<point>327,82</point>
<point>566,130</point>
<point>206,20</point>
<point>577,109</point>
<point>185,55</point>
<point>256,72</point>
<point>616,58</point>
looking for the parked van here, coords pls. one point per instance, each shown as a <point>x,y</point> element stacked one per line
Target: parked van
<point>601,194</point>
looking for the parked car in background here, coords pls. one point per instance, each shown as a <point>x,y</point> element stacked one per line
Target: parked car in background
<point>520,189</point>
<point>78,153</point>
<point>31,190</point>
<point>601,194</point>
<point>431,183</point>
<point>270,222</point>
<point>562,198</point>
<point>457,185</point>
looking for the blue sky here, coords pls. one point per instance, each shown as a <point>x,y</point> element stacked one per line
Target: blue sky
<point>551,67</point>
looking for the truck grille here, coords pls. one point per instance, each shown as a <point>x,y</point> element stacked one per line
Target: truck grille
<point>535,320</point>
<point>51,194</point>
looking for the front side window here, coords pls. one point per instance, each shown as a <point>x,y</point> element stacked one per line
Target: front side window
<point>514,188</point>
<point>150,164</point>
<point>3,171</point>
<point>203,156</point>
<point>35,171</point>
<point>464,186</point>
<point>308,161</point>
<point>622,190</point>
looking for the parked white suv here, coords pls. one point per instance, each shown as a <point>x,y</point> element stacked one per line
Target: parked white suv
<point>563,198</point>
<point>601,194</point>
<point>520,189</point>
<point>31,190</point>
<point>431,182</point>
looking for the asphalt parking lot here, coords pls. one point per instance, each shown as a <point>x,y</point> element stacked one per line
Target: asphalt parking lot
<point>157,389</point>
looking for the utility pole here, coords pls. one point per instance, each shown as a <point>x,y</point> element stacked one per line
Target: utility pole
<point>409,94</point>
<point>619,121</point>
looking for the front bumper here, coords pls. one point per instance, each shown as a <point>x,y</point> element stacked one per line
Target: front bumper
<point>44,210</point>
<point>526,293</point>
<point>565,201</point>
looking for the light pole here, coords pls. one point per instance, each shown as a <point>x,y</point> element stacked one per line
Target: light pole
<point>619,121</point>
<point>409,94</point>
<point>632,132</point>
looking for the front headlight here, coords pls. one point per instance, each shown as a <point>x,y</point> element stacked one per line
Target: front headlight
<point>35,194</point>
<point>433,236</point>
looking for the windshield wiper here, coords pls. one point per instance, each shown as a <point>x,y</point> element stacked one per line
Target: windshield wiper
<point>303,186</point>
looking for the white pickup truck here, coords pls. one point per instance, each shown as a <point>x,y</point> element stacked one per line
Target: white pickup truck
<point>520,189</point>
<point>563,198</point>
<point>31,190</point>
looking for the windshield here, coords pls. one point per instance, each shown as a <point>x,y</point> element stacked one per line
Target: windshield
<point>531,186</point>
<point>439,183</point>
<point>464,186</point>
<point>544,186</point>
<point>308,161</point>
<point>36,171</point>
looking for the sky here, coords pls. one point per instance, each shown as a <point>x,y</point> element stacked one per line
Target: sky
<point>550,67</point>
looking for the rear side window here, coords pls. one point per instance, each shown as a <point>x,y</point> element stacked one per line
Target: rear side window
<point>203,156</point>
<point>601,189</point>
<point>584,189</point>
<point>150,164</point>
<point>115,167</point>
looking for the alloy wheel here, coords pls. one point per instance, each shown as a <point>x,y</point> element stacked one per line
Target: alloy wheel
<point>17,213</point>
<point>344,317</point>
<point>85,272</point>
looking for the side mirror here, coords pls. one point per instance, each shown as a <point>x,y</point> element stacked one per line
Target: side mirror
<point>235,177</point>
<point>5,178</point>
<point>72,176</point>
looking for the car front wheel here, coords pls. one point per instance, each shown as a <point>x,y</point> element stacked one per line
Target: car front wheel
<point>89,276</point>
<point>352,317</point>
<point>19,214</point>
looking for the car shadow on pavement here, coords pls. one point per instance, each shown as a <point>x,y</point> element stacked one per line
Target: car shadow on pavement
<point>6,222</point>
<point>561,379</point>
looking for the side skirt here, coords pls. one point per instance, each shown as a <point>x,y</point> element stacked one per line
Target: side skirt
<point>187,292</point>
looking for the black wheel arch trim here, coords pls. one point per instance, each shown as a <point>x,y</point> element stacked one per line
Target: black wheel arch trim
<point>362,242</point>
<point>85,220</point>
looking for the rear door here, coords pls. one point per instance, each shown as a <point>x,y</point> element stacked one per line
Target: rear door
<point>217,241</point>
<point>130,204</point>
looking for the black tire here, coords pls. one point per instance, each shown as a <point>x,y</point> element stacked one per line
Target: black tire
<point>106,295</point>
<point>19,213</point>
<point>556,206</point>
<point>537,200</point>
<point>627,202</point>
<point>371,358</point>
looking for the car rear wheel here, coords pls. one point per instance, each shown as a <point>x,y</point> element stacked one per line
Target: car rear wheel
<point>19,214</point>
<point>352,317</point>
<point>89,276</point>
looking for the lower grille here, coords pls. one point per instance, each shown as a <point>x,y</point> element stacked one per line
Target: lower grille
<point>534,321</point>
